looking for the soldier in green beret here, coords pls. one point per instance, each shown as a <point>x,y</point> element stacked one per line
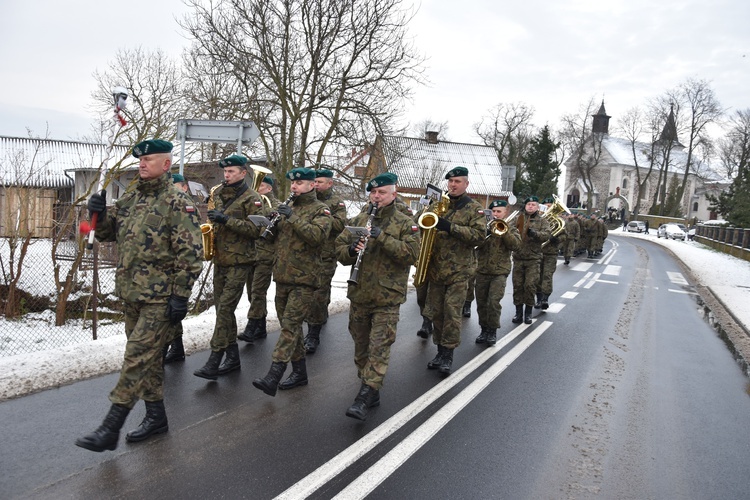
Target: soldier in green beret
<point>322,298</point>
<point>547,265</point>
<point>234,258</point>
<point>534,230</point>
<point>391,250</point>
<point>300,235</point>
<point>159,252</point>
<point>452,263</point>
<point>493,268</point>
<point>572,235</point>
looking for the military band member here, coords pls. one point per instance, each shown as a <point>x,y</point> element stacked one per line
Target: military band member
<point>300,236</point>
<point>259,278</point>
<point>319,308</point>
<point>493,268</point>
<point>159,252</point>
<point>234,257</point>
<point>534,230</point>
<point>392,249</point>
<point>451,265</point>
<point>548,266</point>
<point>573,234</point>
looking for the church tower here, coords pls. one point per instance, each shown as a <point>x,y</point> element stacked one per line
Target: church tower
<point>601,121</point>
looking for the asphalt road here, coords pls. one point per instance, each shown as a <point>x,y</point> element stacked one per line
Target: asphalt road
<point>619,390</point>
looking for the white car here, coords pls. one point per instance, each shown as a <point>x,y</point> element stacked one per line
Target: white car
<point>671,232</point>
<point>636,226</point>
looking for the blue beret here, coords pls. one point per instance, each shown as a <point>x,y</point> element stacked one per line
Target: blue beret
<point>151,147</point>
<point>498,203</point>
<point>233,161</point>
<point>268,180</point>
<point>531,198</point>
<point>301,174</point>
<point>385,179</point>
<point>324,172</point>
<point>177,178</point>
<point>457,172</point>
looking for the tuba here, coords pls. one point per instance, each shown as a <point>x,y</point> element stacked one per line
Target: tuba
<point>427,222</point>
<point>207,229</point>
<point>552,214</point>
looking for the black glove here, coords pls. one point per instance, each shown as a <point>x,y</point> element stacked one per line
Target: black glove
<point>554,240</point>
<point>375,231</point>
<point>443,225</point>
<point>285,210</point>
<point>217,217</point>
<point>98,204</point>
<point>177,308</point>
<point>531,233</point>
<point>353,248</point>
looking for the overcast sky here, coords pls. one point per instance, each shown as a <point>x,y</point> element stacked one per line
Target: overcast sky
<point>552,55</point>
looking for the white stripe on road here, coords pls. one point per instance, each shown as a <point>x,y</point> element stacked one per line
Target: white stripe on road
<point>612,270</point>
<point>593,280</point>
<point>555,307</point>
<point>582,280</point>
<point>379,472</point>
<point>582,266</point>
<point>569,295</point>
<point>681,291</point>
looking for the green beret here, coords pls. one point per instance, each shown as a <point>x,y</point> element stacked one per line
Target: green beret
<point>385,179</point>
<point>268,180</point>
<point>233,161</point>
<point>301,174</point>
<point>324,172</point>
<point>457,172</point>
<point>151,147</point>
<point>548,200</point>
<point>531,198</point>
<point>498,203</point>
<point>177,178</point>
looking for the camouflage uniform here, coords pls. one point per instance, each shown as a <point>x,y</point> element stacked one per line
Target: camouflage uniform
<point>259,278</point>
<point>451,266</point>
<point>159,253</point>
<point>493,268</point>
<point>573,234</point>
<point>381,288</point>
<point>604,233</point>
<point>299,241</point>
<point>234,257</point>
<point>548,266</point>
<point>526,259</point>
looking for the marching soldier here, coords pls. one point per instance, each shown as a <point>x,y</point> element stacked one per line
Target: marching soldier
<point>451,265</point>
<point>300,235</point>
<point>234,257</point>
<point>493,268</point>
<point>534,230</point>
<point>322,298</point>
<point>548,266</point>
<point>159,251</point>
<point>573,234</point>
<point>381,287</point>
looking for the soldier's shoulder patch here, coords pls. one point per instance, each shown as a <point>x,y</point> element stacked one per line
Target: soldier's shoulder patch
<point>259,203</point>
<point>480,211</point>
<point>414,228</point>
<point>341,204</point>
<point>326,211</point>
<point>189,209</point>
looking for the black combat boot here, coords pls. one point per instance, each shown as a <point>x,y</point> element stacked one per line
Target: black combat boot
<point>176,351</point>
<point>298,376</point>
<point>260,330</point>
<point>538,303</point>
<point>270,382</point>
<point>312,339</point>
<point>437,360</point>
<point>426,329</point>
<point>518,318</point>
<point>491,336</point>
<point>248,334</point>
<point>545,303</point>
<point>211,369</point>
<point>155,422</point>
<point>567,261</point>
<point>106,435</point>
<point>366,398</point>
<point>482,338</point>
<point>527,315</point>
<point>232,361</point>
<point>447,362</point>
<point>466,311</point>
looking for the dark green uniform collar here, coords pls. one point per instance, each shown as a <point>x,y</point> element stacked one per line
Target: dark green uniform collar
<point>385,211</point>
<point>325,195</point>
<point>153,185</point>
<point>306,197</point>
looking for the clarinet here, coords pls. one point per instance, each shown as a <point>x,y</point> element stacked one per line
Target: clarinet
<point>355,268</point>
<point>267,231</point>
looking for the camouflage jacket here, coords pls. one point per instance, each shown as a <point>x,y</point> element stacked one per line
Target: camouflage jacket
<point>453,256</point>
<point>531,247</point>
<point>384,270</point>
<point>159,245</point>
<point>234,241</point>
<point>338,211</point>
<point>572,229</point>
<point>493,254</point>
<point>265,248</point>
<point>299,241</point>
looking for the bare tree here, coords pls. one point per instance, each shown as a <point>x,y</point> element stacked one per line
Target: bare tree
<point>421,128</point>
<point>508,129</point>
<point>583,147</point>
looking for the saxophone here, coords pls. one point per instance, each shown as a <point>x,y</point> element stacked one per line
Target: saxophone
<point>207,229</point>
<point>427,222</point>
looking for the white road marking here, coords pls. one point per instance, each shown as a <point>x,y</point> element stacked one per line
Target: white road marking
<point>582,266</point>
<point>593,280</point>
<point>612,270</point>
<point>677,278</point>
<point>682,291</point>
<point>582,280</point>
<point>608,281</point>
<point>555,307</point>
<point>569,295</point>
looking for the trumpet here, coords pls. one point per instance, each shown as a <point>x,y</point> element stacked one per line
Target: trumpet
<point>498,227</point>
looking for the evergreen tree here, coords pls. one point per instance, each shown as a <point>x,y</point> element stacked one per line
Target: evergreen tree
<point>541,167</point>
<point>734,204</point>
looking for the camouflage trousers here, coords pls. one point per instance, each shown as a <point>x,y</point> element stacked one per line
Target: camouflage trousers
<point>470,290</point>
<point>595,244</point>
<point>142,374</point>
<point>490,290</point>
<point>229,284</point>
<point>422,299</point>
<point>322,296</point>
<point>292,307</point>
<point>258,281</point>
<point>525,281</point>
<point>569,248</point>
<point>373,330</point>
<point>547,268</point>
<point>445,303</point>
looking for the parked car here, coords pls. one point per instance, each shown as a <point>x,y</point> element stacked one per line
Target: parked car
<point>671,231</point>
<point>636,226</point>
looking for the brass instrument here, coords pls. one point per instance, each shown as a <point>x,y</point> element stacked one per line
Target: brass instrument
<point>259,173</point>
<point>498,227</point>
<point>207,229</point>
<point>427,222</point>
<point>552,214</point>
